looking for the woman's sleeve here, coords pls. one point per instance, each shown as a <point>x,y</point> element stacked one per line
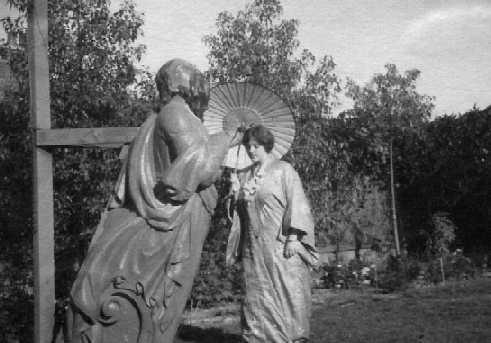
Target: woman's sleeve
<point>298,215</point>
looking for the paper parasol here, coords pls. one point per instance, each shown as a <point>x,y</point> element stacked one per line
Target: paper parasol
<point>238,104</point>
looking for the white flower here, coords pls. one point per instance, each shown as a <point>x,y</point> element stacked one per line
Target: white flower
<point>251,186</point>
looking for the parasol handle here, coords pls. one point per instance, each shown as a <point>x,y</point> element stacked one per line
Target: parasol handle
<point>232,193</point>
<point>237,159</point>
<point>242,128</point>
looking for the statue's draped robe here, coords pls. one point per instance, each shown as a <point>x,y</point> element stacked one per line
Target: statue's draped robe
<point>148,244</point>
<point>277,303</point>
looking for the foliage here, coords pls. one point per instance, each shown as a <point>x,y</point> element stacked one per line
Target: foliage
<point>358,214</point>
<point>216,283</point>
<point>390,273</point>
<point>258,46</point>
<point>16,314</point>
<point>353,275</point>
<point>444,233</point>
<point>390,102</point>
<point>92,56</point>
<point>454,265</point>
<point>393,277</point>
<point>447,169</point>
<point>387,107</point>
<point>439,166</point>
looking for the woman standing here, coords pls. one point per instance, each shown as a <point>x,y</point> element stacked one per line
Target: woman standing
<point>273,235</point>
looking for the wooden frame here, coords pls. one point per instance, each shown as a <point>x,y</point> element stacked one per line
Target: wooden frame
<point>106,137</point>
<point>44,137</point>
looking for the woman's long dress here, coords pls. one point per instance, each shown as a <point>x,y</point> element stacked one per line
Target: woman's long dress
<point>277,302</point>
<point>144,243</point>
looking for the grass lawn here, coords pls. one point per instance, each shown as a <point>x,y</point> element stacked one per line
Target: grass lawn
<point>455,312</point>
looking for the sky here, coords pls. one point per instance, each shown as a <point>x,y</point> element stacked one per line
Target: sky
<point>449,41</point>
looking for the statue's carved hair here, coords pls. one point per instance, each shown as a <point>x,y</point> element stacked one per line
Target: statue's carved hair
<point>179,77</point>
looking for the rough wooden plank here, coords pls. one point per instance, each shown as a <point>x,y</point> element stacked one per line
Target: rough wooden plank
<point>86,137</point>
<point>44,265</point>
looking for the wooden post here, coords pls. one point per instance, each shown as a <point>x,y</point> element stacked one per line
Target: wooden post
<point>44,265</point>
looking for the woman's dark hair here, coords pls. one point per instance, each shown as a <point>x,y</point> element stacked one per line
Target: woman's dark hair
<point>262,135</point>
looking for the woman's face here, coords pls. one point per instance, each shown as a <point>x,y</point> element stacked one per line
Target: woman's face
<point>256,151</point>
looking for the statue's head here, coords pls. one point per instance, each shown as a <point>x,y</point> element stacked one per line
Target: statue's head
<point>178,77</point>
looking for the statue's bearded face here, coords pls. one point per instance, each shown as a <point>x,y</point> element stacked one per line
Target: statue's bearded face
<point>199,104</point>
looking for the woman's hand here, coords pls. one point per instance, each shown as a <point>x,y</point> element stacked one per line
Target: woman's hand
<point>234,183</point>
<point>292,247</point>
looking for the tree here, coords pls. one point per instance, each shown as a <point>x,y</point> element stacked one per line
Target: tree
<point>259,46</point>
<point>92,56</point>
<point>386,107</point>
<point>457,172</point>
<point>447,170</point>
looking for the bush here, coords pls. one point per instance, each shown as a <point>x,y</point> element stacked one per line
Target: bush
<point>456,266</point>
<point>216,283</point>
<point>16,315</point>
<point>354,274</point>
<point>394,276</point>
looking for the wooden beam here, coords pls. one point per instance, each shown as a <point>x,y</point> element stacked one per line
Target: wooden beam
<point>86,137</point>
<point>44,264</point>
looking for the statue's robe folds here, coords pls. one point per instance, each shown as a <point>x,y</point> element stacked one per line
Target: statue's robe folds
<point>150,239</point>
<point>277,303</point>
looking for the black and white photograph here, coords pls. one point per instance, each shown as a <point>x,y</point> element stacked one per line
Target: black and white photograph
<point>245,171</point>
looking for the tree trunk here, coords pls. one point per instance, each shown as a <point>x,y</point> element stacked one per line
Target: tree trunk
<point>393,200</point>
<point>358,243</point>
<point>337,246</point>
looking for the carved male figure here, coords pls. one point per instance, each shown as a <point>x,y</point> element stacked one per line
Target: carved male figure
<point>139,270</point>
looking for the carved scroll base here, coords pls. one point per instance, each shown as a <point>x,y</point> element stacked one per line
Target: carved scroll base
<point>123,318</point>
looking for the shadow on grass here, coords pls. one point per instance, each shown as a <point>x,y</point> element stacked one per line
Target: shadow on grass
<point>193,334</point>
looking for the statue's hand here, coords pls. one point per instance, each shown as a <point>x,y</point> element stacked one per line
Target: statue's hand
<point>164,192</point>
<point>292,248</point>
<point>236,138</point>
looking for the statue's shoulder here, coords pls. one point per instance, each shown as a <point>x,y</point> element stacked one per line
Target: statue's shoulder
<point>174,115</point>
